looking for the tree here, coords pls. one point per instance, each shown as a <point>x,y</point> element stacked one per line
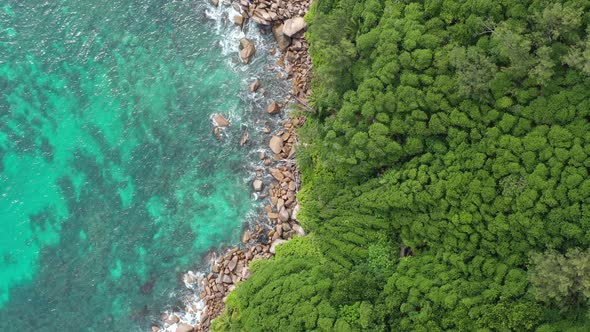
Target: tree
<point>561,279</point>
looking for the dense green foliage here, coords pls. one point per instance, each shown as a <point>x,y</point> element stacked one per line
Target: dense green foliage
<point>459,129</point>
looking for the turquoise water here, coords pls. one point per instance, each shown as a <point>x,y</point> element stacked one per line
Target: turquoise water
<point>111,180</point>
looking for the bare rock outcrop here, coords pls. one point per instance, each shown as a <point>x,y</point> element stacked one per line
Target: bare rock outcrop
<point>247,50</point>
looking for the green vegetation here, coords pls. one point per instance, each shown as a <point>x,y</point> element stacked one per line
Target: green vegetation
<point>459,129</point>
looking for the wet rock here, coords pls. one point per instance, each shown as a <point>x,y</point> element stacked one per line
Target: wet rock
<point>247,50</point>
<point>217,132</point>
<point>282,40</point>
<point>293,26</point>
<point>220,120</point>
<point>246,236</point>
<point>276,144</point>
<point>155,328</point>
<point>214,2</point>
<point>239,20</point>
<point>273,108</point>
<point>254,85</point>
<point>245,138</point>
<point>173,319</point>
<point>184,327</point>
<point>257,185</point>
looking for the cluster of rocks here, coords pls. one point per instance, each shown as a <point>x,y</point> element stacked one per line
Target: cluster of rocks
<point>277,182</point>
<point>260,243</point>
<point>285,18</point>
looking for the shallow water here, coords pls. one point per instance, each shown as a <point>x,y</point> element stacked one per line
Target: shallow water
<point>111,180</point>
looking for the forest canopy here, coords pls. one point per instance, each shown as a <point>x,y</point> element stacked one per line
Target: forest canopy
<point>457,132</point>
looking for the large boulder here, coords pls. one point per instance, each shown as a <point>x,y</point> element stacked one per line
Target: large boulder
<point>276,144</point>
<point>282,40</point>
<point>261,16</point>
<point>247,50</point>
<point>293,26</point>
<point>184,327</point>
<point>239,20</point>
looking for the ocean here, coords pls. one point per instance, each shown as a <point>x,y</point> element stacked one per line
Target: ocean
<point>112,182</point>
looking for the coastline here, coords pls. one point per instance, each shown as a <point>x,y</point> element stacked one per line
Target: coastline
<point>276,182</point>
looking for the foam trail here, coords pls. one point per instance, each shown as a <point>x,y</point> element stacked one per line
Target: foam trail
<point>254,119</point>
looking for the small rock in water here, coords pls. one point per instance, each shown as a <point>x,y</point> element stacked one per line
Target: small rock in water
<point>155,328</point>
<point>273,108</point>
<point>214,2</point>
<point>220,120</point>
<point>247,50</point>
<point>245,138</point>
<point>172,320</point>
<point>217,132</point>
<point>254,85</point>
<point>257,185</point>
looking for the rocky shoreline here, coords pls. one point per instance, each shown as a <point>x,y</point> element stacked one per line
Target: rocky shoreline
<point>278,222</point>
